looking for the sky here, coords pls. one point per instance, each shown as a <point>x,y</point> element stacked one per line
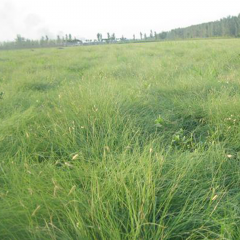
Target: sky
<point>85,18</point>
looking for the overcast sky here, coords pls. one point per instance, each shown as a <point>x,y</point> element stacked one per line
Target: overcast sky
<point>85,18</point>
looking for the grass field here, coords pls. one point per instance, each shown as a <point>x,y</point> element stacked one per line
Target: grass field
<point>135,141</point>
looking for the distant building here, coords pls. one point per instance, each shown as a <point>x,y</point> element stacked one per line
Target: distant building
<point>75,42</point>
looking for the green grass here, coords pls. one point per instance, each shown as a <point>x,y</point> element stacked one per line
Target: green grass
<point>138,141</point>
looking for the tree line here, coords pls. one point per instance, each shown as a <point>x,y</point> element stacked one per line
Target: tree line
<point>45,41</point>
<point>226,27</point>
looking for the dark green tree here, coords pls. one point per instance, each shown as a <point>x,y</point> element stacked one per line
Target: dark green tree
<point>151,34</point>
<point>113,38</point>
<point>58,39</point>
<point>99,37</point>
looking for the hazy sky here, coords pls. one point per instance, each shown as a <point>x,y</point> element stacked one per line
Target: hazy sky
<point>85,18</point>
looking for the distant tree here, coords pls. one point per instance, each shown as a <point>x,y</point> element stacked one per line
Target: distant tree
<point>46,37</point>
<point>145,36</point>
<point>163,35</point>
<point>42,41</point>
<point>108,36</point>
<point>151,34</point>
<point>122,38</point>
<point>58,39</point>
<point>70,37</point>
<point>99,37</point>
<point>19,39</point>
<point>134,37</point>
<point>155,35</point>
<point>66,37</point>
<point>113,37</point>
<point>141,35</point>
